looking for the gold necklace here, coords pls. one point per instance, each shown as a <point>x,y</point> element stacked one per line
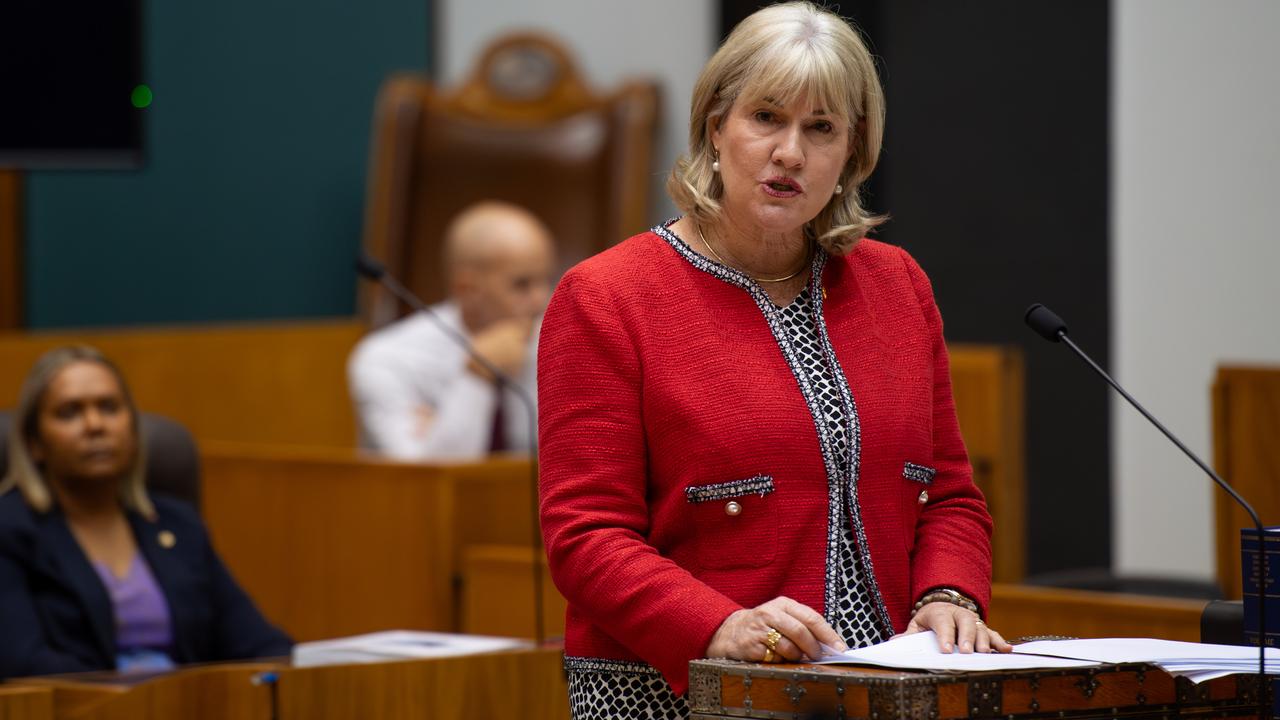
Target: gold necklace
<point>720,260</point>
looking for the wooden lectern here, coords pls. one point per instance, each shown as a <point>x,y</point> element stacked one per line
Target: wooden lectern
<point>729,689</point>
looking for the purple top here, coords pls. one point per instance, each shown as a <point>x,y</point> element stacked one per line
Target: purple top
<point>140,609</point>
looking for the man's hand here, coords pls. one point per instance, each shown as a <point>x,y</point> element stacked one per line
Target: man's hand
<point>505,344</point>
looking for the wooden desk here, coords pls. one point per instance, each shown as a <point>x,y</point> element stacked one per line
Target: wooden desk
<point>207,692</point>
<point>497,593</point>
<point>528,684</point>
<point>26,703</point>
<point>331,543</point>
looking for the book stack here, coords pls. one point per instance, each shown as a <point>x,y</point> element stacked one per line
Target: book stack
<point>1257,583</point>
<point>1254,578</point>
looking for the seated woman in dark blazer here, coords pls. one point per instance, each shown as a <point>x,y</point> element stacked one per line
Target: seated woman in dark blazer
<point>94,574</point>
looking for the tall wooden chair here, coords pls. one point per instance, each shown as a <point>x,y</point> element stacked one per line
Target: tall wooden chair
<point>523,128</point>
<point>1246,453</point>
<point>987,383</point>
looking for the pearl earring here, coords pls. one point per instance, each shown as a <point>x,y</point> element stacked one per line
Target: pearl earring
<point>715,164</point>
<point>839,188</point>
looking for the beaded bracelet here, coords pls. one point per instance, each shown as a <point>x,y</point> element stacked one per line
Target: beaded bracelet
<point>949,596</point>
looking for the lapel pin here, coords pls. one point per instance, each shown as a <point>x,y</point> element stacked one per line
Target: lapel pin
<point>166,539</point>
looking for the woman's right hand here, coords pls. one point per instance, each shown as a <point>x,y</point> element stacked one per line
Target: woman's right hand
<point>742,635</point>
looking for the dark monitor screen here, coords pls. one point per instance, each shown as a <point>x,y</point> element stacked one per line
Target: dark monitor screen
<point>68,74</point>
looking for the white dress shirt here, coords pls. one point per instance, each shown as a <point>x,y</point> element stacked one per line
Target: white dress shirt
<point>416,400</point>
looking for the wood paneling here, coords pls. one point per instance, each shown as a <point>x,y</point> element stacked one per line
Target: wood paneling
<point>496,587</point>
<point>1021,611</point>
<point>987,382</point>
<point>11,246</point>
<point>276,383</point>
<point>1246,453</point>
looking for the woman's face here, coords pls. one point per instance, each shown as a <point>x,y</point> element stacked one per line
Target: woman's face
<point>779,164</point>
<point>84,430</point>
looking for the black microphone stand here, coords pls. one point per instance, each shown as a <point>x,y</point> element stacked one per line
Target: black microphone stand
<point>373,270</point>
<point>1051,327</point>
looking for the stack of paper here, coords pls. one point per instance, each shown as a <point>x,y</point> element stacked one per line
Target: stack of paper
<point>920,652</point>
<point>397,645</point>
<point>1196,661</point>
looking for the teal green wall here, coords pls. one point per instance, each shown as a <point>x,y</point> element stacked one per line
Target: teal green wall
<point>251,200</point>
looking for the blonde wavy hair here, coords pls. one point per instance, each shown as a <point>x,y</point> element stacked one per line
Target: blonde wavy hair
<point>25,474</point>
<point>788,52</point>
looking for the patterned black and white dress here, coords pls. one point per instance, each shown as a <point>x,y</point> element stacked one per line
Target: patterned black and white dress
<point>612,689</point>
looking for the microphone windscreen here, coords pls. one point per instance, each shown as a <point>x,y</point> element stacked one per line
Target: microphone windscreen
<point>1045,322</point>
<point>368,267</point>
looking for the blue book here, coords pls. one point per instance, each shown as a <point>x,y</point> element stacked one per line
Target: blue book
<point>1253,578</point>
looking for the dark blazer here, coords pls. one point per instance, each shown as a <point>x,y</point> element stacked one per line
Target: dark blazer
<point>56,616</point>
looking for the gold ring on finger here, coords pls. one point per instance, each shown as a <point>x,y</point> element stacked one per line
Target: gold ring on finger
<point>768,655</point>
<point>771,639</point>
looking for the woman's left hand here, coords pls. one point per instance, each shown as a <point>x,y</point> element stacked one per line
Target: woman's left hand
<point>957,627</point>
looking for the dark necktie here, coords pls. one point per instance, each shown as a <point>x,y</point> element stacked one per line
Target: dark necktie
<point>497,433</point>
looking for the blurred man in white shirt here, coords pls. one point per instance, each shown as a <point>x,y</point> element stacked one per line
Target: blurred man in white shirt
<point>418,395</point>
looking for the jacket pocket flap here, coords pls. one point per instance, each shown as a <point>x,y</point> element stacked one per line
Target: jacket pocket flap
<point>759,485</point>
<point>918,473</point>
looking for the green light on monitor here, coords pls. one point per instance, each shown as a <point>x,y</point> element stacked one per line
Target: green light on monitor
<point>141,96</point>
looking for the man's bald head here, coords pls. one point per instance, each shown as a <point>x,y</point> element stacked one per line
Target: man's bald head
<point>499,258</point>
<point>492,231</point>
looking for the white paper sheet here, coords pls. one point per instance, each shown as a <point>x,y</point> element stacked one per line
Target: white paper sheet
<point>1120,650</point>
<point>1196,661</point>
<point>397,645</point>
<point>920,652</point>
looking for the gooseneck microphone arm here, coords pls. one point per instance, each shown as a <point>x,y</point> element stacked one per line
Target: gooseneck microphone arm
<point>1051,327</point>
<point>373,270</point>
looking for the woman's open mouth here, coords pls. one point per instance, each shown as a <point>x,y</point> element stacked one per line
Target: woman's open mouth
<point>782,187</point>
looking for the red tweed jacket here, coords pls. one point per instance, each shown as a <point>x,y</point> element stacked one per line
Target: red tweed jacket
<point>663,395</point>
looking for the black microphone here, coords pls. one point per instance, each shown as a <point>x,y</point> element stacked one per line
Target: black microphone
<point>1051,327</point>
<point>1044,321</point>
<point>375,271</point>
<point>370,268</point>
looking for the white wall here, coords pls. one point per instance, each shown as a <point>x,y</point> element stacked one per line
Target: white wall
<point>669,40</point>
<point>1195,251</point>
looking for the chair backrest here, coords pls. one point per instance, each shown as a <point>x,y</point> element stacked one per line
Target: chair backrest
<point>1246,453</point>
<point>173,463</point>
<point>987,382</point>
<point>523,128</point>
